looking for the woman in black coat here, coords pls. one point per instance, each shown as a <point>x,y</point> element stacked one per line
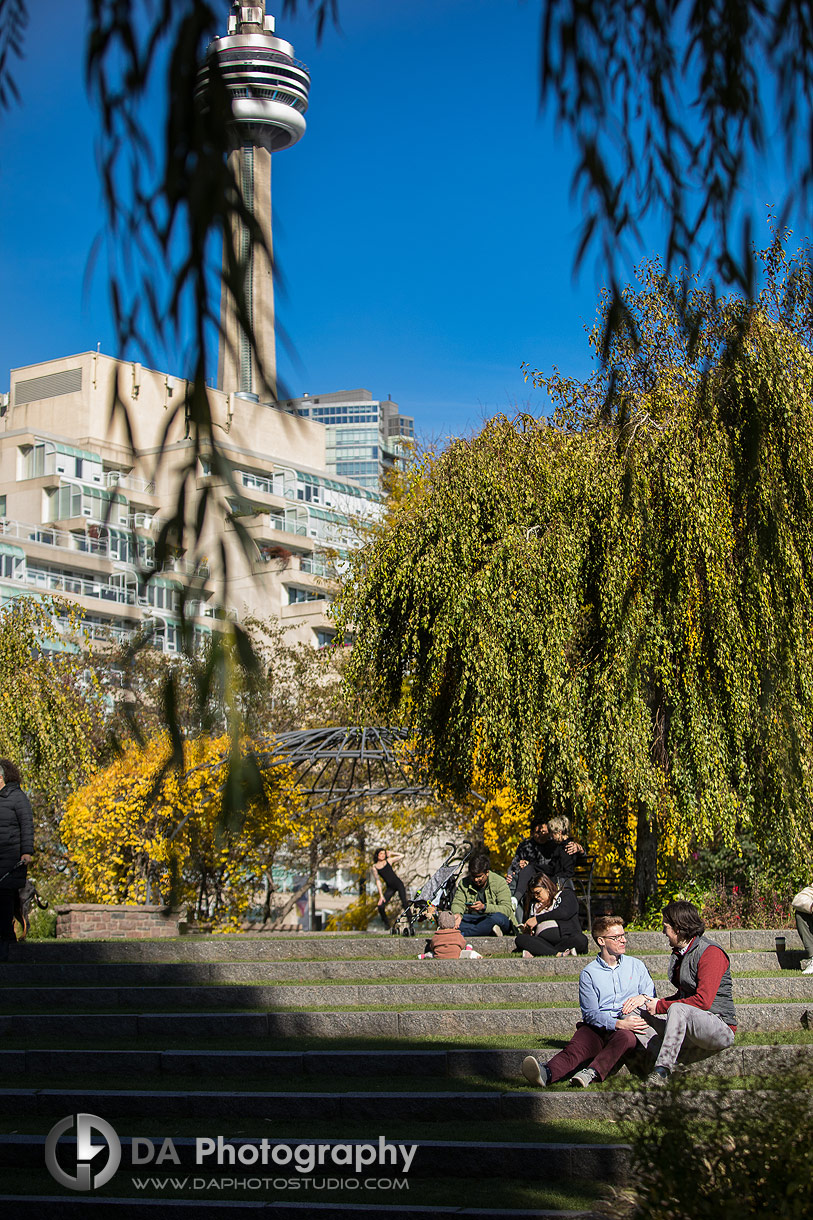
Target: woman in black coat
<point>16,844</point>
<point>551,924</point>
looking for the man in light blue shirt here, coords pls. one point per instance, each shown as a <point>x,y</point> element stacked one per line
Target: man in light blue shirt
<point>612,990</point>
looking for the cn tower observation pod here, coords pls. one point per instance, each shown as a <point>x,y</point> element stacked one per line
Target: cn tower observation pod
<point>268,87</point>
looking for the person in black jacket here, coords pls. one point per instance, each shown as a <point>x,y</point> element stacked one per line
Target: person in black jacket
<point>551,926</point>
<point>16,846</point>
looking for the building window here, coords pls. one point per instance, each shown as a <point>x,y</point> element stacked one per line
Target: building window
<point>296,595</point>
<point>12,564</point>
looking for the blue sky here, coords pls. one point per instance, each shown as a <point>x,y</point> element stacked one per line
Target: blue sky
<point>424,224</point>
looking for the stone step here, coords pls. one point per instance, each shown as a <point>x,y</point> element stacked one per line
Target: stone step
<point>536,1162</point>
<point>338,1023</point>
<point>526,1105</point>
<point>258,1065</point>
<point>67,1208</point>
<point>146,974</point>
<point>279,947</point>
<point>428,995</point>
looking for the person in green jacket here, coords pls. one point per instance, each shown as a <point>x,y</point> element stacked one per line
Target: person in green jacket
<point>483,899</point>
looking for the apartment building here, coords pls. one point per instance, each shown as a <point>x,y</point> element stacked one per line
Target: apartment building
<point>364,436</point>
<point>80,508</point>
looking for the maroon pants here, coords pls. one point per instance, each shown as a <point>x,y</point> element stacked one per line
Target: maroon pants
<point>599,1049</point>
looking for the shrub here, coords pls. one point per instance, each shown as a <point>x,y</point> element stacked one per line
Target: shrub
<point>42,925</point>
<point>739,1155</point>
<point>763,905</point>
<point>356,917</point>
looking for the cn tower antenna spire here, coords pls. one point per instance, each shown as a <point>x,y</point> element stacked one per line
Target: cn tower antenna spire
<point>268,90</point>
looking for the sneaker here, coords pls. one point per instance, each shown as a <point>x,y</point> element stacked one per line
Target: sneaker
<point>808,969</point>
<point>535,1072</point>
<point>497,930</point>
<point>805,962</point>
<point>584,1078</point>
<point>423,956</point>
<point>658,1076</point>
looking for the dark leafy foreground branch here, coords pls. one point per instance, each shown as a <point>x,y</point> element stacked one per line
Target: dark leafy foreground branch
<point>736,1154</point>
<point>13,20</point>
<point>674,105</point>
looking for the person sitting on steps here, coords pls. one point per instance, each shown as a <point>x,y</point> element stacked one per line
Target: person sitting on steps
<point>535,855</point>
<point>802,906</point>
<point>551,924</point>
<point>612,991</point>
<point>563,854</point>
<point>483,899</point>
<point>699,1019</point>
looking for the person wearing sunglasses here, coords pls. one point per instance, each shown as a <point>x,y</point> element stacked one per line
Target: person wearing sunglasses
<point>613,988</point>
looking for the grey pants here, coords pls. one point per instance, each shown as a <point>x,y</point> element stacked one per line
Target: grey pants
<point>688,1033</point>
<point>804,926</point>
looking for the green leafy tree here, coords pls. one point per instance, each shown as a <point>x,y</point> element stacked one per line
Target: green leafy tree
<point>612,611</point>
<point>51,712</point>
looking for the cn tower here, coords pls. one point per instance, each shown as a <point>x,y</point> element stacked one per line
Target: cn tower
<point>268,90</point>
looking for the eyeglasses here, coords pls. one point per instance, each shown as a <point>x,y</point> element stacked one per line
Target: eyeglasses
<point>621,937</point>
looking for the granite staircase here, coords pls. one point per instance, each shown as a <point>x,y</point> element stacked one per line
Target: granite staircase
<point>276,1044</point>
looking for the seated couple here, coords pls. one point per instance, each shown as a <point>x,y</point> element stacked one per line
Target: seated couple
<point>620,1012</point>
<point>549,850</point>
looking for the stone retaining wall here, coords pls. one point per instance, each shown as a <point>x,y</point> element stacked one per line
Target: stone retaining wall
<point>97,921</point>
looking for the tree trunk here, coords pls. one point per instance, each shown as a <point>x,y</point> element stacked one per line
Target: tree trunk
<point>645,879</point>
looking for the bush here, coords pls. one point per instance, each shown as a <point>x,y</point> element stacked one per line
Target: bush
<point>765,904</point>
<point>651,920</point>
<point>42,925</point>
<point>740,1155</point>
<point>355,918</point>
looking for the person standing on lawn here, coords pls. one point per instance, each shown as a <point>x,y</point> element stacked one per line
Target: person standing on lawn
<point>16,848</point>
<point>613,988</point>
<point>385,875</point>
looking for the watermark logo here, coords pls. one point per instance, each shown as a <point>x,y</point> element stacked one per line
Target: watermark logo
<point>86,1152</point>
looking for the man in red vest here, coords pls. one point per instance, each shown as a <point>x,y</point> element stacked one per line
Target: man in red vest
<point>699,1019</point>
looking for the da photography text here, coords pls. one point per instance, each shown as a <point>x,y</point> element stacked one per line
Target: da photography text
<point>84,1168</point>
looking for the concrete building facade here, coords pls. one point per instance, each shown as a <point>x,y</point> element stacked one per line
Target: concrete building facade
<point>80,508</point>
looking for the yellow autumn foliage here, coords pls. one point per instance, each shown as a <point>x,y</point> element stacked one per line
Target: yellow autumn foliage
<point>130,836</point>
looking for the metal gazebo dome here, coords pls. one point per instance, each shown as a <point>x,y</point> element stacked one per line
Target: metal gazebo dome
<point>337,765</point>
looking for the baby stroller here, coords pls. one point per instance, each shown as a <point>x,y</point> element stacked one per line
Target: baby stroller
<point>437,891</point>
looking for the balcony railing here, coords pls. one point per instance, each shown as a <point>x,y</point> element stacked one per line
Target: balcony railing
<point>130,482</point>
<point>86,544</point>
<point>78,586</point>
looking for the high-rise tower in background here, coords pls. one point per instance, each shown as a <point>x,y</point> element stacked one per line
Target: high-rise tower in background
<point>269,98</point>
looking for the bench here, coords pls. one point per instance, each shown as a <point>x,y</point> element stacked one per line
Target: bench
<point>594,887</point>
